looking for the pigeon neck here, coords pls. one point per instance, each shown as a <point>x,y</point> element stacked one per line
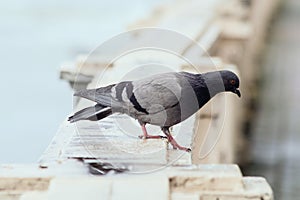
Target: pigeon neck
<point>214,83</point>
<point>205,86</point>
<point>197,82</point>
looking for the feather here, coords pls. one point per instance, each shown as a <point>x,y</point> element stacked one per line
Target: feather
<point>92,113</point>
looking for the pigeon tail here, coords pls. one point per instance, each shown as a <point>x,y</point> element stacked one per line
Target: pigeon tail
<point>92,113</point>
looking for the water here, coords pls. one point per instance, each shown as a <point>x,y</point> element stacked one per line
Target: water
<point>275,135</point>
<point>35,38</point>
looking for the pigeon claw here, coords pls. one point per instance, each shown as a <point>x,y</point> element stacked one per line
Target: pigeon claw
<point>152,137</point>
<point>182,148</point>
<point>163,137</point>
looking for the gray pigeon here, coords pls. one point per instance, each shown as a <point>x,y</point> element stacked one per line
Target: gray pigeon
<point>164,99</point>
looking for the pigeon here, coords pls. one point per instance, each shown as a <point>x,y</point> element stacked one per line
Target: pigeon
<point>163,99</point>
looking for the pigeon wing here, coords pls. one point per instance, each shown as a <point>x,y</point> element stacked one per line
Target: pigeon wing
<point>157,93</point>
<point>102,96</point>
<point>149,95</point>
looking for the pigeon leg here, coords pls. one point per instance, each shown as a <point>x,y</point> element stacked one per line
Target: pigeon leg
<point>173,142</point>
<point>147,136</point>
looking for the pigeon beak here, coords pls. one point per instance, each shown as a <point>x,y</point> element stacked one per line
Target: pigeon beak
<point>237,92</point>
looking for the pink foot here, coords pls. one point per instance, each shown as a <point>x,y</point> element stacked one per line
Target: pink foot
<point>173,142</point>
<point>147,136</point>
<point>182,148</point>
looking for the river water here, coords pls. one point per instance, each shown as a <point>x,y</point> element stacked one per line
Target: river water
<point>276,131</point>
<point>35,38</point>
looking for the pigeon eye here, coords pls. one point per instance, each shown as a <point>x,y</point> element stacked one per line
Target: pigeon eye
<point>232,82</point>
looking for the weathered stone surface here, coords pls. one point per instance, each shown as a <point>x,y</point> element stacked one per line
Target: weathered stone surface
<point>146,187</point>
<point>79,188</point>
<point>253,188</point>
<point>190,182</point>
<point>35,195</point>
<point>205,178</point>
<point>23,184</point>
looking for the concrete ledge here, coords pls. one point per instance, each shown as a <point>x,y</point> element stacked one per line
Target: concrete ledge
<point>190,182</point>
<point>205,178</point>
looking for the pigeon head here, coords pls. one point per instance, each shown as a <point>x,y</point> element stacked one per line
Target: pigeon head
<point>219,81</point>
<point>231,82</point>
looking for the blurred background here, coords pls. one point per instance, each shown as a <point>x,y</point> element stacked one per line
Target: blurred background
<point>36,37</point>
<point>274,133</point>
